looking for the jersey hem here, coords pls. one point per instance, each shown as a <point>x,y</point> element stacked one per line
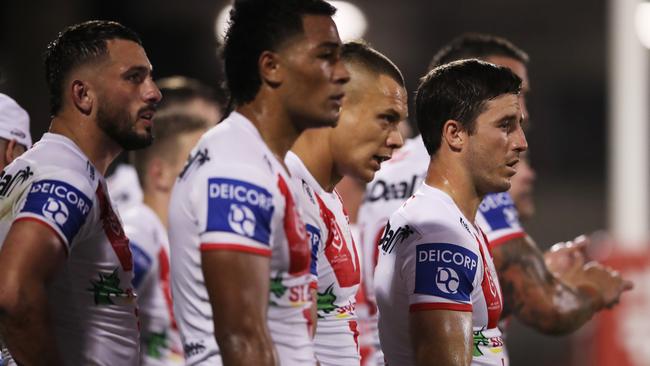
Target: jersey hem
<point>236,248</point>
<point>440,306</point>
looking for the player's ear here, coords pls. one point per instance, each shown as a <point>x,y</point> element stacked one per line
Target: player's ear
<point>81,96</point>
<point>454,135</point>
<point>271,71</point>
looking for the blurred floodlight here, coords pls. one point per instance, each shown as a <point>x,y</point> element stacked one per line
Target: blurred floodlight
<point>642,23</point>
<point>349,19</point>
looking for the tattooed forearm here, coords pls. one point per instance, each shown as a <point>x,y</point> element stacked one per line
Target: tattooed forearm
<point>533,295</point>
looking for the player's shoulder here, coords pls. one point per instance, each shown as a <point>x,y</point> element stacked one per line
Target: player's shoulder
<point>233,150</point>
<point>429,209</point>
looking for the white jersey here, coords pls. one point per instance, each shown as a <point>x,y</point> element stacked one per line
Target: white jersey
<point>396,182</point>
<point>233,194</point>
<point>337,269</point>
<point>124,187</point>
<point>433,258</point>
<point>159,338</point>
<point>92,305</point>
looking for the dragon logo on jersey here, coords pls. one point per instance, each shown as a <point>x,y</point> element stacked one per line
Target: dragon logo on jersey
<point>495,344</point>
<point>242,220</point>
<point>56,211</point>
<point>326,300</point>
<point>276,287</point>
<point>447,280</point>
<point>155,344</point>
<point>107,289</point>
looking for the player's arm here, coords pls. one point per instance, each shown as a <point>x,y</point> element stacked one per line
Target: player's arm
<point>541,300</point>
<point>238,286</point>
<point>441,337</point>
<point>31,255</point>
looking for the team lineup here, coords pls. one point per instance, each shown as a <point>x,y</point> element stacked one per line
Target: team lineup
<point>224,241</point>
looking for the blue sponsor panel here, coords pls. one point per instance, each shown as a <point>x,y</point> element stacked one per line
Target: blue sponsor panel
<point>445,270</point>
<point>239,207</point>
<point>141,264</point>
<point>60,204</point>
<point>315,242</point>
<point>499,211</point>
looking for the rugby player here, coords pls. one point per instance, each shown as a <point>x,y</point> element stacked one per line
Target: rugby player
<point>365,136</point>
<point>65,291</point>
<point>240,255</point>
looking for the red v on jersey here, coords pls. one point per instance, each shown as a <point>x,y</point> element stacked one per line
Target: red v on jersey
<point>294,228</point>
<point>114,231</point>
<point>491,291</point>
<point>347,273</point>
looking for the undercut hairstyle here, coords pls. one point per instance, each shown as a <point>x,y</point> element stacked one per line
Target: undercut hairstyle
<point>459,91</point>
<point>358,52</point>
<point>477,45</point>
<point>256,26</point>
<point>180,89</point>
<point>168,128</point>
<point>78,45</point>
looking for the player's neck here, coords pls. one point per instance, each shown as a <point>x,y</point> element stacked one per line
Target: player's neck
<point>100,149</point>
<point>158,202</point>
<point>273,124</point>
<point>313,148</point>
<point>451,178</point>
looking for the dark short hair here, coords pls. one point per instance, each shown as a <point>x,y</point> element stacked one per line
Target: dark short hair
<point>459,91</point>
<point>256,26</point>
<point>167,128</point>
<point>78,45</point>
<point>360,52</point>
<point>181,89</point>
<point>477,45</point>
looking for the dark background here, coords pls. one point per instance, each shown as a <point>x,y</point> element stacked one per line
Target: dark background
<point>566,42</point>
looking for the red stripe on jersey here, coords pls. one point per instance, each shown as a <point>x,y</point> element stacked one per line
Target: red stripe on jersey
<point>163,265</point>
<point>355,333</point>
<point>491,293</point>
<point>235,248</point>
<point>440,306</point>
<point>113,230</point>
<point>498,241</point>
<point>47,225</point>
<point>338,255</point>
<point>296,232</point>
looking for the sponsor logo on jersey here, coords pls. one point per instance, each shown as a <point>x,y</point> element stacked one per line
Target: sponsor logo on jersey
<point>91,170</point>
<point>59,203</point>
<point>239,207</point>
<point>392,237</point>
<point>193,348</point>
<point>141,263</point>
<point>494,344</point>
<point>316,242</point>
<point>18,133</point>
<point>383,190</point>
<point>9,181</point>
<point>195,160</point>
<point>445,270</point>
<point>499,211</point>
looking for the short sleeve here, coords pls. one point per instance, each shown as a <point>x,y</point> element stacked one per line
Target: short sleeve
<point>498,218</point>
<point>440,276</point>
<point>63,204</point>
<point>235,212</point>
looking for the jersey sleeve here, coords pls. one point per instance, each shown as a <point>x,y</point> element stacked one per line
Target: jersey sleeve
<point>62,202</point>
<point>439,274</point>
<point>236,209</point>
<point>498,218</point>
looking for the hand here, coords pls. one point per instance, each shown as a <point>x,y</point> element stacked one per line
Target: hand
<point>605,282</point>
<point>565,256</point>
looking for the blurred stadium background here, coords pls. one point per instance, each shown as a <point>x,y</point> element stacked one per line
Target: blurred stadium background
<point>570,49</point>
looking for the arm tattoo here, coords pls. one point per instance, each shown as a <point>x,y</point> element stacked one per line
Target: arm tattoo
<point>533,295</point>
